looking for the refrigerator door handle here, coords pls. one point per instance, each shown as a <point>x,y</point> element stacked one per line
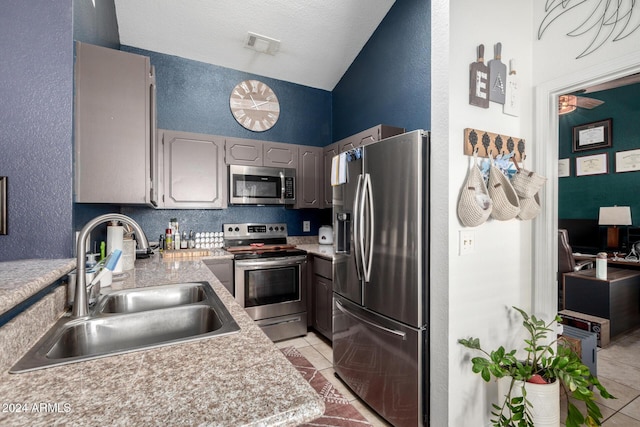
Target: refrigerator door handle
<point>357,221</point>
<point>346,311</point>
<point>367,254</point>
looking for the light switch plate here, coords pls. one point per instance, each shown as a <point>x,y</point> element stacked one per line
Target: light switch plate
<point>467,242</point>
<point>306,225</point>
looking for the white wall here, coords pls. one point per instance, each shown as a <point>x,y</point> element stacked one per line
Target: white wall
<point>514,262</point>
<point>473,301</point>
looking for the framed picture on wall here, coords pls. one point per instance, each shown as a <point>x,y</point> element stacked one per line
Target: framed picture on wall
<point>592,165</point>
<point>564,168</point>
<point>628,161</point>
<point>591,136</point>
<point>3,205</point>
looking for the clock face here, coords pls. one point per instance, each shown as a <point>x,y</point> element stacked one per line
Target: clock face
<point>254,105</point>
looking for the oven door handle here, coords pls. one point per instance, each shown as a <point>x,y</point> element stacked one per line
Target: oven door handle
<point>266,262</point>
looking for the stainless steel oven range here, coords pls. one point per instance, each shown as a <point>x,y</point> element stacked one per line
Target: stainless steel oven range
<point>269,277</point>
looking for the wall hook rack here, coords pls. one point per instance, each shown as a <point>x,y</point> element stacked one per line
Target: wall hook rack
<point>485,143</point>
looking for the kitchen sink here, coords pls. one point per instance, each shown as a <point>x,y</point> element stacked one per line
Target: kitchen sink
<point>149,324</point>
<point>143,299</point>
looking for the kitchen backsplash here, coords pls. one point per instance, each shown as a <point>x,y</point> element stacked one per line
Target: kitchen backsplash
<point>155,221</point>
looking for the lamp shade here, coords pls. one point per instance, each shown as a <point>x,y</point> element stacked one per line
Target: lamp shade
<point>615,215</point>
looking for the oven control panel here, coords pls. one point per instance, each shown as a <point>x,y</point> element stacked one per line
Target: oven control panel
<point>254,231</point>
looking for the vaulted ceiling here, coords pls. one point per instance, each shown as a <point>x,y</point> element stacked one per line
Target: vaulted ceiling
<point>318,39</point>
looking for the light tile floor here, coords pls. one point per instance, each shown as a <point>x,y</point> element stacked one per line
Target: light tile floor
<point>318,351</point>
<point>618,370</point>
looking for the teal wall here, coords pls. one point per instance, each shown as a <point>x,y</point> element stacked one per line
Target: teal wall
<point>581,197</point>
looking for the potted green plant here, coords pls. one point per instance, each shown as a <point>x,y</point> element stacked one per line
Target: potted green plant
<point>543,365</point>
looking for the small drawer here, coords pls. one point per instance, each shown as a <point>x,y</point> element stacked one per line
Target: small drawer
<point>322,267</point>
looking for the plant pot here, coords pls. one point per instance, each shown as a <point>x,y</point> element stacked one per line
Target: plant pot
<point>544,398</point>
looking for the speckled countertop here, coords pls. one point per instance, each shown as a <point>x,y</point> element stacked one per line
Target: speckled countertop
<point>21,279</point>
<point>325,251</point>
<point>239,379</point>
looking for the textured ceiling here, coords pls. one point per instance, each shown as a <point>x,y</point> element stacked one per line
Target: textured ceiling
<point>319,39</point>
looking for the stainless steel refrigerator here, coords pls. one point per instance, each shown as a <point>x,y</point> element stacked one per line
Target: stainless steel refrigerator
<point>381,276</point>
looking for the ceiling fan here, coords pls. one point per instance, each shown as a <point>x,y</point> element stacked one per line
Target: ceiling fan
<point>570,102</point>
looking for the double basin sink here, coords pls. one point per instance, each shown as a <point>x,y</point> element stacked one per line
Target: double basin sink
<point>131,320</point>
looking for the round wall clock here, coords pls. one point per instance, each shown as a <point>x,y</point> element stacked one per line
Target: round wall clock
<point>254,105</point>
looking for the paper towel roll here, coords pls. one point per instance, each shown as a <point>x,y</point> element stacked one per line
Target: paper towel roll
<point>115,235</point>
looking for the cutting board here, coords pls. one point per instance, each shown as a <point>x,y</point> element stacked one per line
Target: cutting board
<point>497,76</point>
<point>512,97</point>
<point>479,81</point>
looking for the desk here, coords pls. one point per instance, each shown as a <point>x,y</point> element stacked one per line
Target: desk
<point>616,299</point>
<point>620,263</point>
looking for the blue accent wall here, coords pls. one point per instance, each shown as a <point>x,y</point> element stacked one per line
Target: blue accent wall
<point>36,89</point>
<point>390,80</point>
<point>580,197</point>
<point>194,96</point>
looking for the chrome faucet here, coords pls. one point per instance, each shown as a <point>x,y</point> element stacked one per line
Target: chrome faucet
<point>80,304</point>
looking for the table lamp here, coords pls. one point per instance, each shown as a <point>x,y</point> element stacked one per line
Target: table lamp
<point>614,216</point>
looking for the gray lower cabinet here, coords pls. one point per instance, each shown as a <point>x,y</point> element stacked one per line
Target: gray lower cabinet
<point>194,174</point>
<point>223,270</point>
<point>114,123</point>
<point>322,296</point>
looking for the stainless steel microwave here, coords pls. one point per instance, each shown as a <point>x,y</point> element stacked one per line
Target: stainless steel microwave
<point>261,185</point>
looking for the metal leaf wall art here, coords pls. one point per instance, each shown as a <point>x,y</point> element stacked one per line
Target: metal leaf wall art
<point>604,20</point>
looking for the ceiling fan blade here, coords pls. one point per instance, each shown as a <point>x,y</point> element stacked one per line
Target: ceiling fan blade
<point>623,81</point>
<point>588,103</point>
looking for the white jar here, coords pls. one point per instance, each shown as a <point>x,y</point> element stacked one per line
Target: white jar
<point>601,266</point>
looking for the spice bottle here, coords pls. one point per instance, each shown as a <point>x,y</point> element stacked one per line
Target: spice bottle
<point>168,239</point>
<point>184,241</point>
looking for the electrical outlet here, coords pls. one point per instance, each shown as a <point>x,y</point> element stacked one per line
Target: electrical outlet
<point>306,225</point>
<point>467,242</point>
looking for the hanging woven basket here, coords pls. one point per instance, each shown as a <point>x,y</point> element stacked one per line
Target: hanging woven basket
<point>506,205</point>
<point>529,208</point>
<point>526,183</point>
<point>474,205</point>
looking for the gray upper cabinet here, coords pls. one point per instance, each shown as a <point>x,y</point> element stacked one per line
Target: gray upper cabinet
<point>309,177</point>
<point>241,151</point>
<point>194,173</point>
<point>250,152</point>
<point>368,136</point>
<point>360,139</point>
<point>329,152</point>
<point>281,155</point>
<point>114,146</point>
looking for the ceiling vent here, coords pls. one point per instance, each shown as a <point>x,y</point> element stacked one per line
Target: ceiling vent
<point>262,44</point>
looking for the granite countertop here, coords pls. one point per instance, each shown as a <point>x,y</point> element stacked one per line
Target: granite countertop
<point>21,279</point>
<point>316,249</point>
<point>238,379</point>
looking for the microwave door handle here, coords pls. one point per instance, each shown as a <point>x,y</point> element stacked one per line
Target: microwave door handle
<point>282,186</point>
<point>367,253</point>
<point>357,220</point>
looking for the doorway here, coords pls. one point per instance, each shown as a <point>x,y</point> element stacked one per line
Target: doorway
<point>545,229</point>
